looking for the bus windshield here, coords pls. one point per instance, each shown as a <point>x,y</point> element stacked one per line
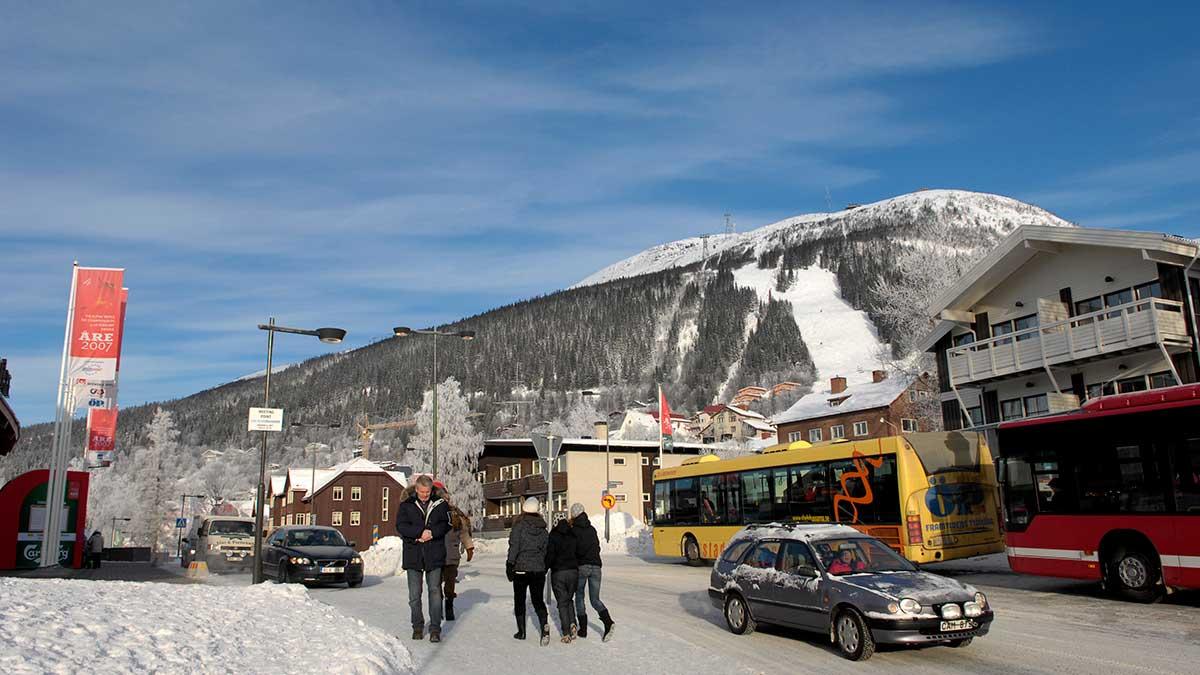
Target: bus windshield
<point>945,452</point>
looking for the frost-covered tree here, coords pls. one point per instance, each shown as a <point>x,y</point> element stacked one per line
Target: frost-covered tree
<point>151,468</point>
<point>901,302</point>
<point>459,448</point>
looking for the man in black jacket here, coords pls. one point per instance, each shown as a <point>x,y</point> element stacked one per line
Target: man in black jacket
<point>423,520</point>
<point>588,556</point>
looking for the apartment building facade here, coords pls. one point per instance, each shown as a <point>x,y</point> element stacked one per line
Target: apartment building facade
<point>1056,316</point>
<point>885,406</point>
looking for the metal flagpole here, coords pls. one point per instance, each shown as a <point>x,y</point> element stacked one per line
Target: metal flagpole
<point>660,427</point>
<point>56,484</point>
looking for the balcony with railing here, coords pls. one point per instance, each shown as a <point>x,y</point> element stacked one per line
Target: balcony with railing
<point>1143,324</point>
<point>523,487</point>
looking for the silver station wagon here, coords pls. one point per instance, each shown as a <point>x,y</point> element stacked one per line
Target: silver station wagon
<point>835,580</point>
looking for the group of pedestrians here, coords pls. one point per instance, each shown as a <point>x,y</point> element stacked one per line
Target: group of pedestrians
<point>436,534</point>
<point>571,554</point>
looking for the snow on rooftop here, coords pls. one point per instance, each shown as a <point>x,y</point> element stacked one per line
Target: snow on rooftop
<point>805,531</point>
<point>856,397</point>
<point>356,465</point>
<point>74,625</point>
<point>745,413</point>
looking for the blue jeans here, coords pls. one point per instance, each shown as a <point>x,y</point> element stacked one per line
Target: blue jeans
<point>433,581</point>
<point>589,576</point>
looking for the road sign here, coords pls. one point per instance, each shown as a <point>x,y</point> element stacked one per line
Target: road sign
<point>547,446</point>
<point>180,523</point>
<point>608,501</point>
<point>615,483</point>
<point>266,419</point>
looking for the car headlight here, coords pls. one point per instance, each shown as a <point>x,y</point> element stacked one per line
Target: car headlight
<point>972,609</point>
<point>893,607</point>
<point>951,611</point>
<point>356,560</point>
<point>301,561</point>
<point>911,606</point>
<point>981,600</point>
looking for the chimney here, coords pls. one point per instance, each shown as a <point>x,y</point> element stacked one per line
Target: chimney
<point>837,384</point>
<point>601,430</point>
<point>878,376</point>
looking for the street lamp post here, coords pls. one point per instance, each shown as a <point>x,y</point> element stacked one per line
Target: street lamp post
<point>182,510</point>
<point>113,534</point>
<point>312,487</point>
<point>326,335</point>
<point>607,464</point>
<point>405,331</point>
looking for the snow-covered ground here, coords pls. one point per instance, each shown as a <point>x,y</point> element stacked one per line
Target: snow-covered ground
<point>841,340</point>
<point>76,626</point>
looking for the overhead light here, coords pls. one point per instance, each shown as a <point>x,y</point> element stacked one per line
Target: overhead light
<point>1108,280</point>
<point>401,331</point>
<point>330,335</point>
<point>1122,366</point>
<point>466,334</point>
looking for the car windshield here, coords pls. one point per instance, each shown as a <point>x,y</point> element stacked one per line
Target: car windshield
<point>231,527</point>
<point>315,538</point>
<point>859,555</point>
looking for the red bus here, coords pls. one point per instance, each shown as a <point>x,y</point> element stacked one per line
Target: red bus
<point>1110,492</point>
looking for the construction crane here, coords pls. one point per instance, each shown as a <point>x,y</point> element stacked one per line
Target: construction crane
<point>366,431</point>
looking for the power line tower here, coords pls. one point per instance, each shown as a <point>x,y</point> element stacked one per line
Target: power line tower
<point>730,228</point>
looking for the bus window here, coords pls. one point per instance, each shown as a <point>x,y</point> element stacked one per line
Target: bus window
<point>1124,478</point>
<point>756,495</point>
<point>874,500</point>
<point>685,503</point>
<point>785,494</point>
<point>1186,477</point>
<point>1018,492</point>
<point>662,503</point>
<point>812,498</point>
<point>730,495</point>
<point>712,511</point>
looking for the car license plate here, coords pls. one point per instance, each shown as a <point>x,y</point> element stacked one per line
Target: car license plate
<point>961,624</point>
<point>235,557</point>
<point>332,570</point>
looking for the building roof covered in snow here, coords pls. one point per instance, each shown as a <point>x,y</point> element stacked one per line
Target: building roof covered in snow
<point>742,412</point>
<point>278,483</point>
<point>854,398</point>
<point>356,465</point>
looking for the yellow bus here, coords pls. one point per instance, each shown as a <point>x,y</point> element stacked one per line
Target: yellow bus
<point>930,496</point>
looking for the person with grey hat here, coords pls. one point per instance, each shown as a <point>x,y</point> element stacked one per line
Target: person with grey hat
<point>526,566</point>
<point>587,554</point>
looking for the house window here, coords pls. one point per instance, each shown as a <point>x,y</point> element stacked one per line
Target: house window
<point>646,497</point>
<point>645,460</point>
<point>837,431</point>
<point>301,518</point>
<point>386,494</point>
<point>1002,328</point>
<point>1160,380</point>
<point>1088,306</point>
<point>337,494</point>
<point>814,435</point>
<point>656,461</point>
<point>481,476</point>
<point>514,471</point>
<point>289,519</point>
<point>976,415</point>
<point>1025,323</point>
<point>963,339</point>
<point>538,468</point>
<point>291,496</point>
<point>795,436</point>
<point>618,461</point>
<point>1036,405</point>
<point>1098,390</point>
<point>337,519</point>
<point>355,518</point>
<point>1145,291</point>
<point>1131,385</point>
<point>908,425</point>
<point>1121,297</point>
<point>912,395</point>
<point>560,502</point>
<point>1011,409</point>
<point>860,429</point>
<point>620,496</point>
<point>356,494</point>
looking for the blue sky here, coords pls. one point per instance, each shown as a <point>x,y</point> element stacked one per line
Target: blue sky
<point>372,164</point>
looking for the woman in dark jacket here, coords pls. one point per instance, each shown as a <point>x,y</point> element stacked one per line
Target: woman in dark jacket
<point>526,566</point>
<point>564,575</point>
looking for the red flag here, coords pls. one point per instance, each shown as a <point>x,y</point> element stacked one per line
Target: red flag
<point>664,413</point>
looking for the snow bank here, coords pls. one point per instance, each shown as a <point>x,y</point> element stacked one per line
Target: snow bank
<point>384,558</point>
<point>626,534</point>
<point>73,625</point>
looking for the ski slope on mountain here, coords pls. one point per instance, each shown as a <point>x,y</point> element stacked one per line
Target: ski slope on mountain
<point>986,217</point>
<point>841,340</point>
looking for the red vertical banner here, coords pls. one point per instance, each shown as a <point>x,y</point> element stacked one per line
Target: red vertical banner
<point>121,325</point>
<point>95,324</point>
<point>664,414</point>
<point>102,435</point>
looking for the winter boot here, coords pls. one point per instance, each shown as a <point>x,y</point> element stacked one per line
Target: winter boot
<point>582,626</point>
<point>520,634</point>
<point>435,635</point>
<point>545,633</point>
<point>418,632</point>
<point>608,625</point>
<point>449,609</point>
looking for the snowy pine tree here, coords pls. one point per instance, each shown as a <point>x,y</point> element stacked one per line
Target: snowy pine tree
<point>150,480</point>
<point>459,447</point>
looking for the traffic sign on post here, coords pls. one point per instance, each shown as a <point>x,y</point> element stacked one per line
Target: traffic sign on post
<point>180,523</point>
<point>265,419</point>
<point>608,501</point>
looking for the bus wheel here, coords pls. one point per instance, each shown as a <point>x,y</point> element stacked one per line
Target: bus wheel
<point>1133,575</point>
<point>691,551</point>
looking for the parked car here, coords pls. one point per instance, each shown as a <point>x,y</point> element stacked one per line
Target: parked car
<point>832,579</point>
<point>224,543</point>
<point>311,554</point>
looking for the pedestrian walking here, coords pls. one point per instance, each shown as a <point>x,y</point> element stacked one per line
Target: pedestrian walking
<point>423,520</point>
<point>588,555</point>
<point>95,550</point>
<point>458,541</point>
<point>564,575</point>
<point>526,567</point>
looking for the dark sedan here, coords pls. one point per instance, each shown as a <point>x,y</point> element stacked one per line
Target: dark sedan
<point>837,581</point>
<point>312,554</point>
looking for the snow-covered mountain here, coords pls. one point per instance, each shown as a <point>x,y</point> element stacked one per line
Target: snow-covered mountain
<point>979,215</point>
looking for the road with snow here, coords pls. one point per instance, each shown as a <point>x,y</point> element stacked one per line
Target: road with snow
<point>665,624</point>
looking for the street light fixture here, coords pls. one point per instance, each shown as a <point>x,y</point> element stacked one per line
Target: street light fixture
<point>182,510</point>
<point>326,335</point>
<point>466,335</point>
<point>312,502</point>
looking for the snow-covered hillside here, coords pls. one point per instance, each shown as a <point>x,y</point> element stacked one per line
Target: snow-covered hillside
<point>988,217</point>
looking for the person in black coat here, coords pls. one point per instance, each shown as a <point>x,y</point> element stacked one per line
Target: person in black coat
<point>526,567</point>
<point>423,520</point>
<point>564,575</point>
<point>587,553</point>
